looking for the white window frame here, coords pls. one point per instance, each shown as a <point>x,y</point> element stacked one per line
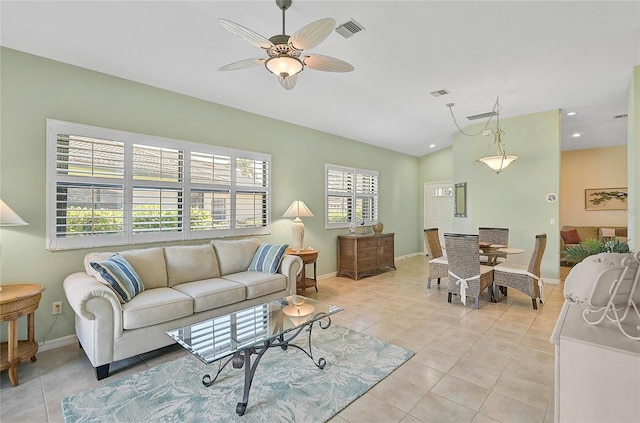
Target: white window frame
<point>128,182</point>
<point>353,195</point>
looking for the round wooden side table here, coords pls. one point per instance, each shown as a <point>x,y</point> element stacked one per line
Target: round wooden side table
<point>16,301</point>
<point>308,257</point>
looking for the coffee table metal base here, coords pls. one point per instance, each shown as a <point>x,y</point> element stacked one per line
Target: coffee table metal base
<point>243,358</point>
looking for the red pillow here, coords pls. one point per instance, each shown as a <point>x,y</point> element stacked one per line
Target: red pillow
<point>570,236</point>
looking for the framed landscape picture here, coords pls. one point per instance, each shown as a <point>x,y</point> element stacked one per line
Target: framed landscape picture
<point>605,199</point>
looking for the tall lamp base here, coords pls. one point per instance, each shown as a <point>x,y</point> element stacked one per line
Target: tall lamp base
<point>297,234</point>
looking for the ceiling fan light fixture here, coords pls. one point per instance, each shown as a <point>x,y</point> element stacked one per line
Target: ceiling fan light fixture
<point>284,65</point>
<point>285,51</point>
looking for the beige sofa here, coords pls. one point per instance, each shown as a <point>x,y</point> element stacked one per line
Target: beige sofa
<point>182,285</point>
<point>591,232</point>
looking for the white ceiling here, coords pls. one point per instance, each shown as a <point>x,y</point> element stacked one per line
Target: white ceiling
<point>536,55</point>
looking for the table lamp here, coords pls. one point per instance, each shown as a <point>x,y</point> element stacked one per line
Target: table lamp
<point>297,209</point>
<point>9,218</point>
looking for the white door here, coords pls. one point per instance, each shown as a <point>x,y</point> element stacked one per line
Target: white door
<point>438,208</point>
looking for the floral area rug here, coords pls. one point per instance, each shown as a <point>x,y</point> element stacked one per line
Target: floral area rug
<point>287,386</point>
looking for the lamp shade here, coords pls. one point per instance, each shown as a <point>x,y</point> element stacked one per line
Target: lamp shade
<point>298,209</point>
<point>8,217</point>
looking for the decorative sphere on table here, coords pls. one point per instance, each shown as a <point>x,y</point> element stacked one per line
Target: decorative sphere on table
<point>377,227</point>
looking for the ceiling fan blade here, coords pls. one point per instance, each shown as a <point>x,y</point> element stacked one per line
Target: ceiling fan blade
<point>326,63</point>
<point>241,64</point>
<point>250,36</point>
<point>313,34</point>
<point>288,82</point>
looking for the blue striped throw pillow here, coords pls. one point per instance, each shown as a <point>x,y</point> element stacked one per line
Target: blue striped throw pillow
<point>267,258</point>
<point>120,276</point>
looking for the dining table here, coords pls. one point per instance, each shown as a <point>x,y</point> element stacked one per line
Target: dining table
<point>493,251</point>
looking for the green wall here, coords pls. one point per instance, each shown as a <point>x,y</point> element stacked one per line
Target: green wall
<point>436,167</point>
<point>633,154</point>
<point>432,168</point>
<point>34,88</point>
<point>516,198</point>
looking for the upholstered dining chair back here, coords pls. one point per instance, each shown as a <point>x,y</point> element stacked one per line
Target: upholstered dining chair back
<point>525,279</point>
<point>438,264</point>
<point>464,266</point>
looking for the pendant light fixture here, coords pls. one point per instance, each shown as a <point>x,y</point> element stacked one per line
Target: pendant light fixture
<point>497,159</point>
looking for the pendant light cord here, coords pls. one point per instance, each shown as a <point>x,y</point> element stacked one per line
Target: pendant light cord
<point>495,110</point>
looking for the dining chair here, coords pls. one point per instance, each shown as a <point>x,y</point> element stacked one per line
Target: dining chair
<point>525,279</point>
<point>499,236</point>
<point>467,277</point>
<point>438,265</point>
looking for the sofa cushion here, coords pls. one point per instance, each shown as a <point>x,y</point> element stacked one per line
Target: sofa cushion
<point>607,233</point>
<point>155,306</point>
<point>570,236</point>
<point>259,283</point>
<point>117,273</point>
<point>149,264</point>
<point>188,263</point>
<point>267,258</point>
<point>212,293</point>
<point>235,255</point>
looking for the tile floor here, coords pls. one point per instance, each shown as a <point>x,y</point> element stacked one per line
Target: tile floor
<point>494,364</point>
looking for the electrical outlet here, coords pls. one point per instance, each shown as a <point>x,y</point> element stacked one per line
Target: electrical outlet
<point>56,307</point>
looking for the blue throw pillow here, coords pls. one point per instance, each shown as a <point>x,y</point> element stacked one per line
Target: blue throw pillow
<point>267,258</point>
<point>120,276</point>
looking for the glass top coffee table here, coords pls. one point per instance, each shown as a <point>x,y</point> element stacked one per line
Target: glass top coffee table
<point>239,335</point>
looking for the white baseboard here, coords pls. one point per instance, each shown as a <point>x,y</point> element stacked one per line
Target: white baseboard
<point>57,343</point>
<point>410,255</point>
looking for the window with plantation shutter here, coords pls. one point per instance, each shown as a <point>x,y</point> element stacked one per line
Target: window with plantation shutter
<point>366,195</point>
<point>88,195</point>
<point>252,188</point>
<point>210,191</point>
<point>351,196</point>
<point>110,187</point>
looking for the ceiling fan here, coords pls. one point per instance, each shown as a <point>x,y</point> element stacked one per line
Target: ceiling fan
<point>285,58</point>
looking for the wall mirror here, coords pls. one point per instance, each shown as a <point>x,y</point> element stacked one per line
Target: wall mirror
<point>460,204</point>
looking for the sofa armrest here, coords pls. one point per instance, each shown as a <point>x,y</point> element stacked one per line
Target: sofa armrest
<point>291,267</point>
<point>92,300</point>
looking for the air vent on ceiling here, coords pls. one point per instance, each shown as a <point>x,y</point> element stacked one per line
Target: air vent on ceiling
<point>620,116</point>
<point>482,116</point>
<point>349,28</point>
<point>439,93</point>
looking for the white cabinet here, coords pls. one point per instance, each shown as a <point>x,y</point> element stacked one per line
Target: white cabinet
<point>597,371</point>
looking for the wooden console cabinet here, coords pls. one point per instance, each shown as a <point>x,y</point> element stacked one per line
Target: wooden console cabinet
<point>365,255</point>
